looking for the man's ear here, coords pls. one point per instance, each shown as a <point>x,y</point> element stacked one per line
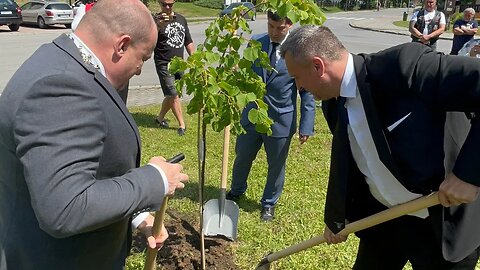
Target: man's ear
<point>122,44</point>
<point>319,66</point>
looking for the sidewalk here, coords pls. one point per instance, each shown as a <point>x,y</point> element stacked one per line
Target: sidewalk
<point>146,95</point>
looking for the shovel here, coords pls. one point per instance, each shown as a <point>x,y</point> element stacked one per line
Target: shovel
<point>158,222</point>
<point>220,216</point>
<point>386,215</point>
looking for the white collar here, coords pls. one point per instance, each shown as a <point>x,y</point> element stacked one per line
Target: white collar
<point>282,40</point>
<point>87,55</point>
<point>348,88</point>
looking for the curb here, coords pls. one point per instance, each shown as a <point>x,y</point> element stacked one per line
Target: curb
<point>395,32</point>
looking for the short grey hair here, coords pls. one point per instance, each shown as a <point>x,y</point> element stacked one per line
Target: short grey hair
<point>469,10</point>
<point>312,40</point>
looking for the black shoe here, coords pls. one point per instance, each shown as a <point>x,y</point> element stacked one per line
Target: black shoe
<point>162,124</point>
<point>267,214</point>
<point>232,197</point>
<point>181,131</point>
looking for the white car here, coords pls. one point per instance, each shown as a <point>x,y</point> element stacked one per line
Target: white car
<point>47,13</point>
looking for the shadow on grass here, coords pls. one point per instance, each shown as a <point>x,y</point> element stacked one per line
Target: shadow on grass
<point>191,192</point>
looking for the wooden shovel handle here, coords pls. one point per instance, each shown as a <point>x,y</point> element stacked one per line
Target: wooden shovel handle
<point>226,145</point>
<point>156,230</point>
<point>386,215</point>
<point>158,223</point>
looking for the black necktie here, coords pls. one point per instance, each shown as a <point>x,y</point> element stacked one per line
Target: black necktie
<point>273,56</point>
<point>339,170</point>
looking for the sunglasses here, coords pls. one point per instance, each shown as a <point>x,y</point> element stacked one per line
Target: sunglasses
<point>167,4</point>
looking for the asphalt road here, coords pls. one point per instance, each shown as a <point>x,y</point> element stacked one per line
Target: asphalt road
<point>16,47</point>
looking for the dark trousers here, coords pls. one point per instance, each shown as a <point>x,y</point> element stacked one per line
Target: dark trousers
<point>390,245</point>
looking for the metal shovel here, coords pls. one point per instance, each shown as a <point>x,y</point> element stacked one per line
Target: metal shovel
<point>220,216</point>
<point>370,221</point>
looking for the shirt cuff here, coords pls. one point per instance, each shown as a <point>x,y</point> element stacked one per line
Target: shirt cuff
<point>164,177</point>
<point>139,219</point>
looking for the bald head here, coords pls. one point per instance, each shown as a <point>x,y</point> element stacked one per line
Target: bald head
<point>118,17</point>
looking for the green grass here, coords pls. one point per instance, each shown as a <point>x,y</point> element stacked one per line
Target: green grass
<point>299,214</point>
<point>401,23</point>
<point>331,9</point>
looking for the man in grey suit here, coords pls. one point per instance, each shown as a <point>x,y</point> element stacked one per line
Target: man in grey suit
<point>70,179</point>
<point>281,98</point>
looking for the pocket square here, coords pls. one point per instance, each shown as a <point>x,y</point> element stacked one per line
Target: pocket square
<point>394,125</point>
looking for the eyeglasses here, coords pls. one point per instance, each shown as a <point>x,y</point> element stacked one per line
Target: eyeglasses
<point>167,4</point>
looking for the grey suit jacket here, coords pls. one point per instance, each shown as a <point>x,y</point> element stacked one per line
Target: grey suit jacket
<point>69,152</point>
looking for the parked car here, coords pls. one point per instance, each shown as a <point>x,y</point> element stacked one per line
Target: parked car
<point>252,15</point>
<point>10,14</point>
<point>47,13</point>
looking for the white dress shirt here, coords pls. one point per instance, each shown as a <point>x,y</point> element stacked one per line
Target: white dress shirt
<point>382,184</point>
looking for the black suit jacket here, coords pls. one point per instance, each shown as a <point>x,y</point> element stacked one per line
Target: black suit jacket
<point>410,79</point>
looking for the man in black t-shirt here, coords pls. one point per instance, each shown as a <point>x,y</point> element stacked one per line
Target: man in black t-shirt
<point>173,37</point>
<point>464,30</point>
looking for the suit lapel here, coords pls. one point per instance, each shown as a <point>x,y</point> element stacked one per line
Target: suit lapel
<point>67,45</point>
<point>372,117</point>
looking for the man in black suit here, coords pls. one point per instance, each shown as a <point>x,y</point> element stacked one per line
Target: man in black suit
<point>387,115</point>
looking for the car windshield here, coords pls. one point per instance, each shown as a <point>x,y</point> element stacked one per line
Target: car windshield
<point>59,6</point>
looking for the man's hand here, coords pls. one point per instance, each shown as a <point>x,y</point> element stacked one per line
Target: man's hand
<point>332,238</point>
<point>303,138</point>
<point>173,172</point>
<point>454,191</point>
<point>425,39</point>
<point>146,228</point>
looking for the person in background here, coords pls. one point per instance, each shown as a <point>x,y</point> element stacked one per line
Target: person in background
<point>80,12</point>
<point>173,37</point>
<point>281,97</point>
<point>70,174</point>
<point>427,24</point>
<point>386,112</point>
<point>464,30</point>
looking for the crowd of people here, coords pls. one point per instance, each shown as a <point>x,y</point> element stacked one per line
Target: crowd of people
<point>72,188</point>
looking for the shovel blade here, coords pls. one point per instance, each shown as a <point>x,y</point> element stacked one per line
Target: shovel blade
<point>217,222</point>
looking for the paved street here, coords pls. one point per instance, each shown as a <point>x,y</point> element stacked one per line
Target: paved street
<point>360,31</point>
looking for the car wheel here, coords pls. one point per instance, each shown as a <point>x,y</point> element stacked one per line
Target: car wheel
<point>41,23</point>
<point>14,27</point>
<point>68,25</point>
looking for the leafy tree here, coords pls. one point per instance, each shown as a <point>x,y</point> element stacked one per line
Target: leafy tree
<point>219,74</point>
<point>221,79</point>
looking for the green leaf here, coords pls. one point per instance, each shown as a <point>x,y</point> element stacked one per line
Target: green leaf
<point>242,100</point>
<point>212,57</point>
<point>253,116</point>
<point>250,54</point>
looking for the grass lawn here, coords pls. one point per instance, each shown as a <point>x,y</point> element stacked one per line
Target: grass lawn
<point>299,214</point>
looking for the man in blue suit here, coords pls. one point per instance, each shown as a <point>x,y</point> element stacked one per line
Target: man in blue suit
<point>281,97</point>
